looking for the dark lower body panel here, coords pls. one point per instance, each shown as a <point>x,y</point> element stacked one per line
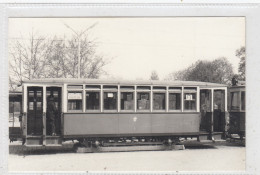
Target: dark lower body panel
<point>130,125</point>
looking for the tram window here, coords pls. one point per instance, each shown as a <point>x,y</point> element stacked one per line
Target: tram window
<point>143,100</point>
<point>38,105</point>
<point>174,101</point>
<point>243,100</point>
<point>31,106</point>
<point>92,100</point>
<point>143,87</point>
<point>234,101</point>
<point>39,94</point>
<point>159,101</point>
<point>159,88</point>
<point>75,86</point>
<point>190,101</point>
<point>127,100</point>
<point>93,87</point>
<point>31,93</point>
<point>74,101</point>
<point>110,100</point>
<point>11,107</point>
<point>127,88</point>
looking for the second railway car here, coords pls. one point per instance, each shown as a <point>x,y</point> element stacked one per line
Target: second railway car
<point>101,110</point>
<point>237,109</point>
<point>15,110</point>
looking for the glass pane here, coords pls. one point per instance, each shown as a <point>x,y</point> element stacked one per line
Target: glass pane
<point>127,100</point>
<point>75,105</point>
<point>11,107</point>
<point>30,105</point>
<point>75,87</point>
<point>159,88</point>
<point>39,105</point>
<point>143,100</point>
<point>92,100</point>
<point>174,101</point>
<point>55,94</point>
<point>31,93</point>
<point>127,87</point>
<point>219,100</point>
<point>190,101</point>
<point>110,100</point>
<point>159,101</point>
<point>243,101</point>
<point>205,101</point>
<point>39,93</point>
<point>234,100</point>
<point>144,87</point>
<point>93,87</point>
<point>75,96</point>
<point>57,105</point>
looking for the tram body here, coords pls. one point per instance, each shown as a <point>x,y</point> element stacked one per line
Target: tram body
<point>102,109</point>
<point>237,109</point>
<point>15,110</point>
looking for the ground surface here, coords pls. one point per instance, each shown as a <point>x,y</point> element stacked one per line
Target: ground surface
<point>220,157</point>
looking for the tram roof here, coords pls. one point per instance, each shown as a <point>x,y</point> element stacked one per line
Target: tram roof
<point>121,82</point>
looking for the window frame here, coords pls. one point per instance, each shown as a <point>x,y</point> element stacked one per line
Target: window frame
<point>238,99</point>
<point>125,91</point>
<point>160,91</point>
<point>92,110</point>
<point>175,91</point>
<point>82,103</point>
<point>190,90</point>
<point>107,90</point>
<point>150,101</point>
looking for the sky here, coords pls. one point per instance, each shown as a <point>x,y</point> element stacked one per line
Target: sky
<point>137,46</point>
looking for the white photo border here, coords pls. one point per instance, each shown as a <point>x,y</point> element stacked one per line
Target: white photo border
<point>250,11</point>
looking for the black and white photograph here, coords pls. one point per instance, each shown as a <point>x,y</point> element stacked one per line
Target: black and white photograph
<point>127,94</point>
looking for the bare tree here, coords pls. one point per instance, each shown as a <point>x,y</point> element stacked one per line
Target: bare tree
<point>39,57</point>
<point>63,61</point>
<point>27,58</point>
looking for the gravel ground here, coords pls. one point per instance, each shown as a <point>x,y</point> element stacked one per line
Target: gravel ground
<point>206,157</point>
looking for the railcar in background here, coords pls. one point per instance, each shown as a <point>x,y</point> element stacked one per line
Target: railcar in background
<point>98,111</point>
<point>237,109</point>
<point>15,111</point>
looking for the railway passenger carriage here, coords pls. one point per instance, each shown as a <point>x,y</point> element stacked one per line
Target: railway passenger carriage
<point>100,110</point>
<point>237,109</point>
<point>15,107</point>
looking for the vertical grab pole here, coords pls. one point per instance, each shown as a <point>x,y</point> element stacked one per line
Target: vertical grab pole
<point>212,115</point>
<point>44,115</point>
<point>135,99</point>
<point>167,99</point>
<point>25,104</point>
<point>101,99</point>
<point>13,113</point>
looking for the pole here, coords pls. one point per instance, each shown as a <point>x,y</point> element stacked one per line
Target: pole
<point>212,115</point>
<point>78,57</point>
<point>13,113</point>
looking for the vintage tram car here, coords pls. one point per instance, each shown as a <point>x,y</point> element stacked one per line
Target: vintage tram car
<point>237,109</point>
<point>102,110</point>
<point>15,107</point>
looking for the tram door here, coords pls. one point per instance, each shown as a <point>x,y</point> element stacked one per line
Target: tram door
<point>35,111</point>
<point>205,108</point>
<point>219,111</point>
<point>56,93</point>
